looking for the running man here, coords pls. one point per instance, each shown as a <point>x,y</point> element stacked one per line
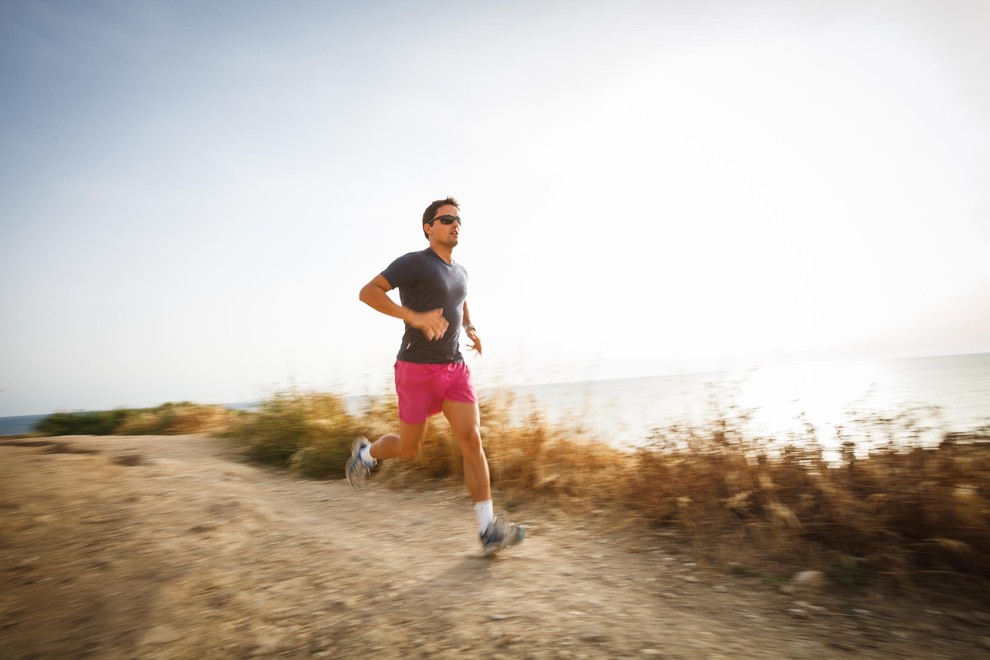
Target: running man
<point>430,373</point>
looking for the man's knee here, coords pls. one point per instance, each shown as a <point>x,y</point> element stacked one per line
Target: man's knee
<point>471,442</point>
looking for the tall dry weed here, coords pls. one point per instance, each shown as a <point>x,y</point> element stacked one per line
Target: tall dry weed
<point>179,418</point>
<point>166,419</point>
<point>899,510</point>
<point>527,457</point>
<point>896,510</point>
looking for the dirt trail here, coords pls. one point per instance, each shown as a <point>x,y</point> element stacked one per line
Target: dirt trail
<point>171,547</point>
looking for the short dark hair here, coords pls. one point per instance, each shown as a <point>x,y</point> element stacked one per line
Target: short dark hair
<point>431,210</point>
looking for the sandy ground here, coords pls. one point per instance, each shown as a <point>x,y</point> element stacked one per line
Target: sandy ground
<point>172,547</point>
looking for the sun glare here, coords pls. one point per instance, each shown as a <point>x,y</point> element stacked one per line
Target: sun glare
<point>785,398</point>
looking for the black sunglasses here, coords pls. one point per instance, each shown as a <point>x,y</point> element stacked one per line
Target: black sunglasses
<point>447,220</point>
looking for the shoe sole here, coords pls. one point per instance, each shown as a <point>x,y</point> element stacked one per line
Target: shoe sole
<point>517,538</point>
<point>356,478</point>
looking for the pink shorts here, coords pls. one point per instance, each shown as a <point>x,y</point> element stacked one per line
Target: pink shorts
<point>422,388</point>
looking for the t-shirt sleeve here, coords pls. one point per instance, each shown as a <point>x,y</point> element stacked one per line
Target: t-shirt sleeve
<point>404,271</point>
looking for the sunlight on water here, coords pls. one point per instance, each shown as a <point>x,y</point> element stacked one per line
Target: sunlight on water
<point>783,398</point>
<point>863,401</point>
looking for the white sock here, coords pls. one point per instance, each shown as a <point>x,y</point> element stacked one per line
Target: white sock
<point>486,513</point>
<point>366,456</point>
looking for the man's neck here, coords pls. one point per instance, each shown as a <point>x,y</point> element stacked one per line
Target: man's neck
<point>444,252</point>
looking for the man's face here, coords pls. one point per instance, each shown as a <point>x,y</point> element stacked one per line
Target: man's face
<point>444,234</point>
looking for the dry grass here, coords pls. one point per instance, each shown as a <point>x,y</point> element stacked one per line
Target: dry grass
<point>178,418</point>
<point>898,512</point>
<point>527,459</point>
<point>166,419</point>
<point>902,511</point>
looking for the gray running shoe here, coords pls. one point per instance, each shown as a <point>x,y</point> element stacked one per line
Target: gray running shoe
<point>501,534</point>
<point>357,470</point>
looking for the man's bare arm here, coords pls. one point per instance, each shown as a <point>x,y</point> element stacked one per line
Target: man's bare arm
<point>375,294</point>
<point>475,344</point>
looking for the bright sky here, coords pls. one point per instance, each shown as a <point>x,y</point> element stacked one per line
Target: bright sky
<point>192,194</point>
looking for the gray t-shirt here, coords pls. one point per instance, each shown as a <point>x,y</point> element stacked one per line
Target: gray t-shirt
<point>427,282</point>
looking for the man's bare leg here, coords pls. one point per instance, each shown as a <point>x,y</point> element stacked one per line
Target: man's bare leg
<point>364,455</point>
<point>496,531</point>
<point>405,445</point>
<point>465,422</point>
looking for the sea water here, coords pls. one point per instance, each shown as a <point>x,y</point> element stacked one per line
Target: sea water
<point>835,400</point>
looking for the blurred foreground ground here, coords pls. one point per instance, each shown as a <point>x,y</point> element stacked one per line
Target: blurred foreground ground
<point>172,547</point>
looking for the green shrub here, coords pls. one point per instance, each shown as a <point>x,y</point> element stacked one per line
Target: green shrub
<point>291,422</point>
<point>323,458</point>
<point>103,422</point>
